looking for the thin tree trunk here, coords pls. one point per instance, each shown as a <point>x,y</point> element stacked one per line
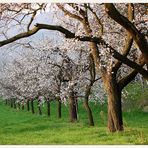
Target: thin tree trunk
<point>59,104</point>
<point>11,102</point>
<point>39,108</point>
<point>48,107</point>
<point>28,107</point>
<point>86,104</point>
<point>77,107</point>
<point>72,108</point>
<point>23,105</point>
<point>6,101</point>
<point>14,102</point>
<point>89,112</point>
<point>32,106</point>
<point>19,105</point>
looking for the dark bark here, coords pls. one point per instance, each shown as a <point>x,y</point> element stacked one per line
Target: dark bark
<point>37,27</point>
<point>32,106</point>
<point>28,107</point>
<point>6,102</point>
<point>11,102</point>
<point>48,107</point>
<point>14,102</point>
<point>72,107</point>
<point>59,108</point>
<point>77,107</point>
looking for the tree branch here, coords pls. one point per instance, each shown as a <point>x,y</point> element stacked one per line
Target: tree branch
<point>128,62</point>
<point>129,39</point>
<point>126,80</point>
<point>123,21</point>
<point>69,34</point>
<point>37,27</point>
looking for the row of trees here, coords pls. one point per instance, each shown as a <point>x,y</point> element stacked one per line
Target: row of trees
<point>106,39</point>
<point>52,74</point>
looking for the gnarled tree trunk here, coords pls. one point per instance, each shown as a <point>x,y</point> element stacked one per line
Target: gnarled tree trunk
<point>115,122</point>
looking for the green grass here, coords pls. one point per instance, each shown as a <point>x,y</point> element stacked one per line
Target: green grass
<point>21,127</point>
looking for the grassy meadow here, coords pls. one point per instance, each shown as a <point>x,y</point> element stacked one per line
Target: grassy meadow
<point>22,127</point>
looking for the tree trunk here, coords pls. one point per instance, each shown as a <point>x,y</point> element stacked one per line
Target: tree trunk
<point>14,102</point>
<point>40,111</point>
<point>19,105</point>
<point>77,107</point>
<point>32,106</point>
<point>115,122</point>
<point>86,104</point>
<point>11,102</point>
<point>113,92</point>
<point>72,108</point>
<point>39,108</point>
<point>28,107</point>
<point>6,101</point>
<point>89,112</point>
<point>23,105</point>
<point>48,107</point>
<point>59,104</point>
